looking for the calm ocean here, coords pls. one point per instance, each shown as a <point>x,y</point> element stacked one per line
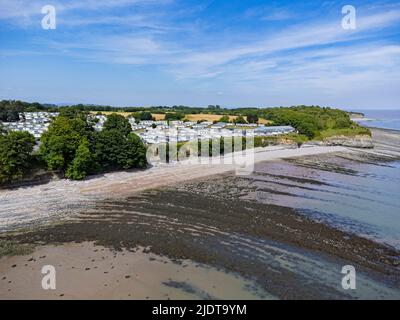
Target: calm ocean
<point>358,197</point>
<point>386,119</point>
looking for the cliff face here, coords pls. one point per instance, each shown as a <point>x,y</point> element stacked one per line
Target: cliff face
<point>356,115</point>
<point>360,141</point>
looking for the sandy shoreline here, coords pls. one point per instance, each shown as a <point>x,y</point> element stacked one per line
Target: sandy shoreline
<point>57,199</point>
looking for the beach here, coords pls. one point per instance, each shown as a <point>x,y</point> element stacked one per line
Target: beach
<point>202,232</point>
<point>87,271</point>
<point>56,200</point>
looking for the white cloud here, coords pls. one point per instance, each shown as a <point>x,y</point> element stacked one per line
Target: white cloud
<point>18,10</point>
<point>312,37</point>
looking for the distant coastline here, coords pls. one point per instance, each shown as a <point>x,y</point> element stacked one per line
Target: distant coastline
<point>381,119</point>
<point>362,119</point>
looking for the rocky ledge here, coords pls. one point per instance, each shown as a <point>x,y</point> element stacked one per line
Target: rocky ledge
<point>359,141</point>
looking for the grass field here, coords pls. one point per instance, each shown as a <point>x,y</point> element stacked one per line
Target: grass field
<point>126,114</point>
<point>215,117</point>
<point>106,113</point>
<point>207,117</point>
<point>190,117</point>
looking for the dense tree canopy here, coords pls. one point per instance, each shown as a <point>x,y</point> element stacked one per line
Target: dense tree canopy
<point>15,155</point>
<point>119,123</point>
<point>83,164</point>
<point>9,110</point>
<point>309,120</point>
<point>60,143</point>
<point>252,117</point>
<point>240,120</point>
<point>119,148</point>
<point>146,115</point>
<point>2,129</point>
<point>174,116</point>
<point>72,146</point>
<point>224,119</point>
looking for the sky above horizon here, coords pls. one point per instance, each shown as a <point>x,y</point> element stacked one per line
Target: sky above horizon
<point>232,53</point>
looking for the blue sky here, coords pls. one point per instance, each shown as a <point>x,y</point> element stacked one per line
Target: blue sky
<point>232,53</point>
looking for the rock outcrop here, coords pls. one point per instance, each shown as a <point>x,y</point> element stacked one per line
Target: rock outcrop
<point>360,141</point>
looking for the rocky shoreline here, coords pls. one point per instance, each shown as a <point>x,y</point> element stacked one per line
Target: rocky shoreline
<point>360,141</point>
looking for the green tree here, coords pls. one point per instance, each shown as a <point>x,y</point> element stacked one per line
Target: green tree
<point>136,151</point>
<point>240,120</point>
<point>342,122</point>
<point>73,113</point>
<point>82,164</point>
<point>2,129</point>
<point>9,111</point>
<point>224,119</point>
<point>118,122</point>
<point>115,151</point>
<point>174,116</point>
<point>117,147</point>
<point>60,143</point>
<point>72,146</point>
<point>110,149</point>
<point>15,155</point>
<point>252,118</point>
<point>145,115</point>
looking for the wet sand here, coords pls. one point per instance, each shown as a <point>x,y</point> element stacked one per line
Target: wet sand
<point>86,271</point>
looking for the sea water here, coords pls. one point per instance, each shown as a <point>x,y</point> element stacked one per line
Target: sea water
<point>386,119</point>
<point>360,198</point>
